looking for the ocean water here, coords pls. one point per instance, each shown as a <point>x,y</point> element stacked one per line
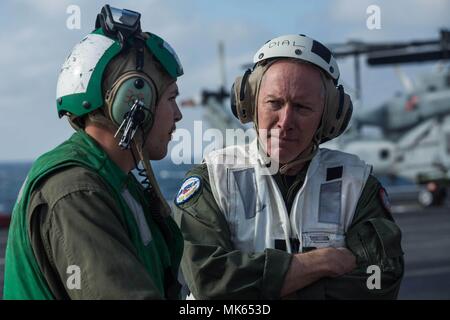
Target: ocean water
<point>12,175</point>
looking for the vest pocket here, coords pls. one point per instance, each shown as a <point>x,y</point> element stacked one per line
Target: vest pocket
<point>246,187</point>
<point>242,208</point>
<point>330,202</point>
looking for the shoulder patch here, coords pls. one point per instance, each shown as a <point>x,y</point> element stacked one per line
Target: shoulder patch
<point>188,189</point>
<point>384,199</point>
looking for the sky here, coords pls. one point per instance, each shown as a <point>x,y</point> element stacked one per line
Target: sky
<point>35,41</point>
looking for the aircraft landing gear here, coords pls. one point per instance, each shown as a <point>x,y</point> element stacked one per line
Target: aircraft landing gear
<point>433,195</point>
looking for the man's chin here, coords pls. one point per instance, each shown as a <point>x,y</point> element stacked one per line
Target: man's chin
<point>158,155</point>
<point>282,156</point>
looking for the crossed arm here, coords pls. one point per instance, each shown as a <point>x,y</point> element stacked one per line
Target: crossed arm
<point>214,269</point>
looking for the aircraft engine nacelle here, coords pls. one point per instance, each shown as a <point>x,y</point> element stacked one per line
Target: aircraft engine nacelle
<point>378,153</point>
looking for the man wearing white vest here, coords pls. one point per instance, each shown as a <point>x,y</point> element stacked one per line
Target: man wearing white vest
<point>318,226</point>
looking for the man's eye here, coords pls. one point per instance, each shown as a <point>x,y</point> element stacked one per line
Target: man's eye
<point>303,107</point>
<point>273,103</point>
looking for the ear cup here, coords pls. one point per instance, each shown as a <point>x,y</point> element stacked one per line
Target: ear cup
<point>124,94</point>
<point>242,99</point>
<point>233,102</point>
<point>348,114</point>
<point>340,109</point>
<point>244,84</point>
<point>340,89</point>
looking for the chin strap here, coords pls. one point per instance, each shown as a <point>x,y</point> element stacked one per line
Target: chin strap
<point>294,165</point>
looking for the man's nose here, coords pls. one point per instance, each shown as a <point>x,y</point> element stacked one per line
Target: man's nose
<point>177,115</point>
<point>286,117</point>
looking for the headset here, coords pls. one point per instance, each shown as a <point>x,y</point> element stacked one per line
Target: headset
<point>80,88</point>
<point>131,99</point>
<point>245,89</point>
<point>130,104</point>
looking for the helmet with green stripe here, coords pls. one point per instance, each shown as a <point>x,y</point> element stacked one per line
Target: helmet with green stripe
<point>121,72</point>
<point>79,88</point>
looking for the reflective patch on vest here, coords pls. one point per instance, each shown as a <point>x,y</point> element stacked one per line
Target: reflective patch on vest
<point>139,216</point>
<point>246,183</point>
<point>315,240</point>
<point>322,240</point>
<point>384,198</point>
<point>319,238</point>
<point>330,202</point>
<point>188,189</point>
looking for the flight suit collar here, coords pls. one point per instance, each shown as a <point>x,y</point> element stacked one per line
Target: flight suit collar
<point>116,172</point>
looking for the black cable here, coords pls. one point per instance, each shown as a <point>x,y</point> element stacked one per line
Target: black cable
<point>141,173</point>
<point>153,199</point>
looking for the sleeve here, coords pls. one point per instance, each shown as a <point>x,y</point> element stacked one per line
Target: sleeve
<point>375,240</point>
<point>89,247</point>
<point>211,266</point>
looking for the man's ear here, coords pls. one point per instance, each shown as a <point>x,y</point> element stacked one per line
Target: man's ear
<point>99,119</point>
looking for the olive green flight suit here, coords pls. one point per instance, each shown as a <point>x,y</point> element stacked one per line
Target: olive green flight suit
<point>214,269</point>
<point>78,210</point>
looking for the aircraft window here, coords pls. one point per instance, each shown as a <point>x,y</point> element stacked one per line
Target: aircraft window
<point>432,88</point>
<point>384,154</point>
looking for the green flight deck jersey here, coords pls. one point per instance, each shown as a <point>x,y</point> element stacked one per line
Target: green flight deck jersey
<point>79,212</point>
<point>214,269</point>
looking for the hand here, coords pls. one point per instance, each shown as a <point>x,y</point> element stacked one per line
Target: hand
<point>311,266</point>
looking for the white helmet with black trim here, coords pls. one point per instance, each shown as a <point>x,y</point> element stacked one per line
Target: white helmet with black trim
<point>300,47</point>
<point>338,105</point>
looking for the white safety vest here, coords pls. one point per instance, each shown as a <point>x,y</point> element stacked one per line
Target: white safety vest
<point>253,205</point>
